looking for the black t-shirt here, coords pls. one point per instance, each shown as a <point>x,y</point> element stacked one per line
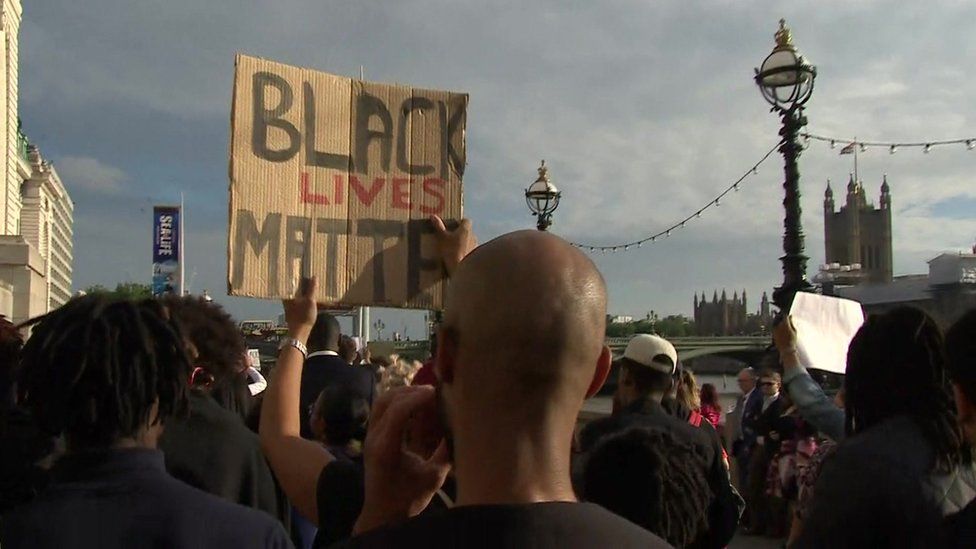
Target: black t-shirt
<point>960,528</point>
<point>340,491</point>
<point>555,525</point>
<point>339,494</point>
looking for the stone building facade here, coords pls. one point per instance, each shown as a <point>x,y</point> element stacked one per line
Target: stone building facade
<point>12,140</point>
<point>47,218</point>
<point>728,317</point>
<point>36,211</point>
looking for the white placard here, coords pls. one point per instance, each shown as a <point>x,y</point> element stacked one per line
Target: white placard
<point>824,327</point>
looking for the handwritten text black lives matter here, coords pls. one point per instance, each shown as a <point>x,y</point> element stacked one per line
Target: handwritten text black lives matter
<point>379,142</point>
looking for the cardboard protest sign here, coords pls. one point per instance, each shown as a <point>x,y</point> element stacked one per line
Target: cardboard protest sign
<point>825,327</point>
<point>337,177</point>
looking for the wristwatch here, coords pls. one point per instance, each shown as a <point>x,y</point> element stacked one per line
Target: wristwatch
<point>292,342</point>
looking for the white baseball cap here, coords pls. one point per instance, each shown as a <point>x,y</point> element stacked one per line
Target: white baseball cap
<point>652,351</point>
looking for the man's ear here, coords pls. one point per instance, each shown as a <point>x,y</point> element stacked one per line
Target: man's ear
<point>602,371</point>
<point>446,359</point>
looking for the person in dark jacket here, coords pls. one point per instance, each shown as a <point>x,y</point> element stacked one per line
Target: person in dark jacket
<point>905,463</point>
<point>646,376</point>
<point>108,375</point>
<point>324,367</point>
<point>211,448</point>
<point>764,448</point>
<point>742,423</point>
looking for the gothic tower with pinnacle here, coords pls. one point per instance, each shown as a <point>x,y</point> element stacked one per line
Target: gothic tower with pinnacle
<point>859,233</point>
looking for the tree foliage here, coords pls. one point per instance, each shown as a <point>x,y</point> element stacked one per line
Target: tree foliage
<point>669,326</point>
<point>123,290</point>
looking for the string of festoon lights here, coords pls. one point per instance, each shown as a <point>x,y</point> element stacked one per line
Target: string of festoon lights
<point>715,202</point>
<point>847,145</point>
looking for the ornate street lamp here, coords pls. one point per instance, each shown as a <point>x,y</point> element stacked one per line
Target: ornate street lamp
<point>543,198</point>
<point>786,81</point>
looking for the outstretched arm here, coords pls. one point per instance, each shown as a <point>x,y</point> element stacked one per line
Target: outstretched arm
<point>296,462</point>
<point>813,404</point>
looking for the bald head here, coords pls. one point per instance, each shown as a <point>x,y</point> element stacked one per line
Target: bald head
<point>521,346</point>
<point>527,312</point>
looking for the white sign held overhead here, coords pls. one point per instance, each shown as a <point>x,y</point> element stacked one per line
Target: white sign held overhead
<point>824,329</point>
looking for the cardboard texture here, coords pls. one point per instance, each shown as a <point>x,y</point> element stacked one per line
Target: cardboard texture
<point>337,177</point>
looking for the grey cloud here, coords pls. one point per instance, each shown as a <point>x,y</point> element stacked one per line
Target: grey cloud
<point>90,173</point>
<point>644,111</point>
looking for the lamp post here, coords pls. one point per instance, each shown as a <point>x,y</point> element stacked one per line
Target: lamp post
<point>786,82</point>
<point>379,325</point>
<point>542,198</point>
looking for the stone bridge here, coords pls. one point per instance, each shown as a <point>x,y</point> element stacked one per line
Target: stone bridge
<point>743,348</point>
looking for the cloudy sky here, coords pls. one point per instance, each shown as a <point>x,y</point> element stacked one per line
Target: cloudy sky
<point>643,110</point>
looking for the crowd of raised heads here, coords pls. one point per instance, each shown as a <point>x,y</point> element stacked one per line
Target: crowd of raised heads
<point>146,424</point>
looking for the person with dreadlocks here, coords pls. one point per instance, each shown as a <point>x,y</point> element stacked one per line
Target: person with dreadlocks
<point>652,479</point>
<point>211,447</point>
<point>108,375</point>
<point>904,464</point>
<point>647,373</point>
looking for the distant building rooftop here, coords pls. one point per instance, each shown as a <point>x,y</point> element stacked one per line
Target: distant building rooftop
<point>946,292</point>
<point>902,289</point>
<point>952,268</point>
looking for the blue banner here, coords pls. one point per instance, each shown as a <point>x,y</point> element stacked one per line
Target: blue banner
<point>167,255</point>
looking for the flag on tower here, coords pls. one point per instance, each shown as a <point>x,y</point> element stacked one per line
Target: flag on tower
<point>849,149</point>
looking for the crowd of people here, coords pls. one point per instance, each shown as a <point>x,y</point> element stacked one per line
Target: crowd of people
<point>143,424</point>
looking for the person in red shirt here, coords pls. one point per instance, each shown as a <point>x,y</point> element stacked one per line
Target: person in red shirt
<point>710,407</point>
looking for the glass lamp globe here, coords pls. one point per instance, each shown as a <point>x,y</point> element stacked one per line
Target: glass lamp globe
<point>785,77</point>
<point>542,196</point>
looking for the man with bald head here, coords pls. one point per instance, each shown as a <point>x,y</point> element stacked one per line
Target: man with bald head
<point>520,348</point>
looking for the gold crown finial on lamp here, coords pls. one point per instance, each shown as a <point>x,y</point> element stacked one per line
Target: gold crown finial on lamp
<point>784,37</point>
<point>543,172</point>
